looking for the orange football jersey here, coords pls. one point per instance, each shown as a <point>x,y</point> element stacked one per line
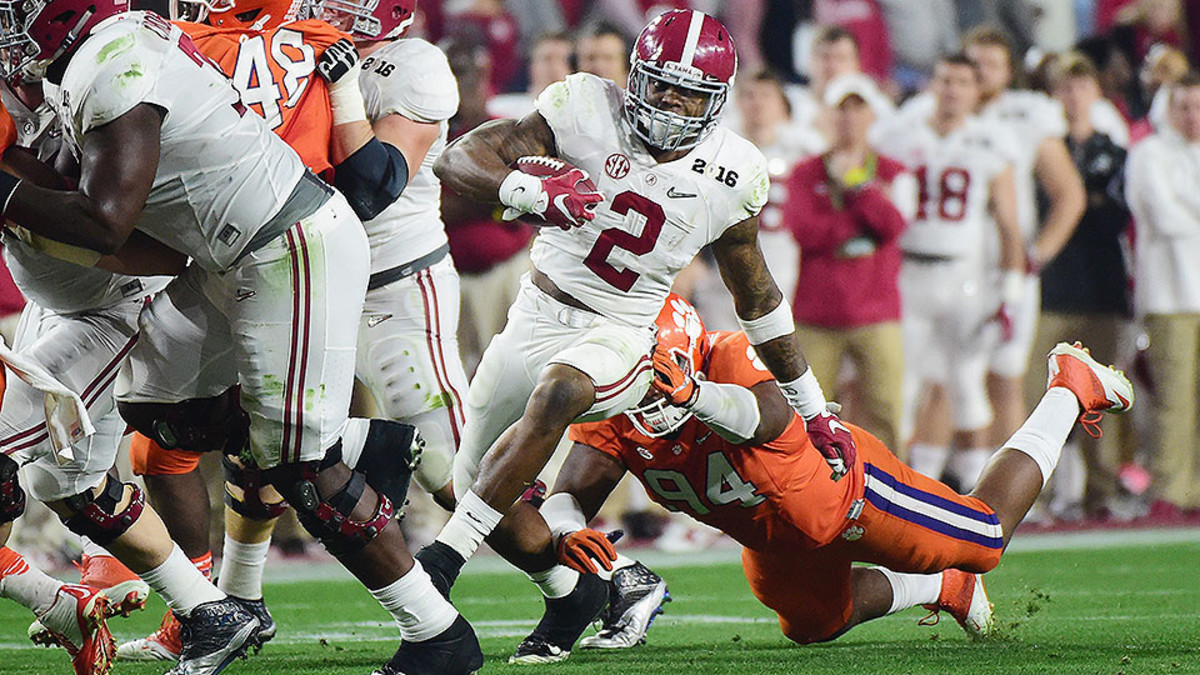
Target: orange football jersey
<point>777,493</point>
<point>8,130</point>
<point>275,71</point>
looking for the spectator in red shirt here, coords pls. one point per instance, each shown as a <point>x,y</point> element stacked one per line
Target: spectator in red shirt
<point>842,215</point>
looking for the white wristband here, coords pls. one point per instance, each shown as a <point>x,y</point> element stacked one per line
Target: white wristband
<point>522,193</point>
<point>562,514</point>
<point>804,395</point>
<point>775,323</point>
<point>346,100</point>
<point>1012,287</point>
<point>728,409</point>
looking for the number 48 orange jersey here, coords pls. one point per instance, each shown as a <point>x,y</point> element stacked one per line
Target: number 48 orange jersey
<point>275,72</point>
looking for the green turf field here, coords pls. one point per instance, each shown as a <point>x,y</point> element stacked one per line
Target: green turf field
<point>1112,604</point>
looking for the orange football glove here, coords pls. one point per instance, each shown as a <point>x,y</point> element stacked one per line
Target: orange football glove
<point>578,549</point>
<point>669,378</point>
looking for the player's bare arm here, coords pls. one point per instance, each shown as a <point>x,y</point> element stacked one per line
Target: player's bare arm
<point>589,476</point>
<point>118,163</point>
<point>1060,181</point>
<point>1003,205</point>
<point>477,163</point>
<point>413,139</point>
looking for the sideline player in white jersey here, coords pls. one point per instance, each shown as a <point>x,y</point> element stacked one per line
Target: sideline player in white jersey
<point>278,272</point>
<point>579,338</point>
<point>1041,161</point>
<point>965,183</point>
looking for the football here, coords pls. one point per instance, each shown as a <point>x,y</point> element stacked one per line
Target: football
<point>541,165</point>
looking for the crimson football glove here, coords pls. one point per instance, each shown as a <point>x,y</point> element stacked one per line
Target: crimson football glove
<point>833,440</point>
<point>580,548</point>
<point>551,189</point>
<point>669,378</point>
<point>337,60</point>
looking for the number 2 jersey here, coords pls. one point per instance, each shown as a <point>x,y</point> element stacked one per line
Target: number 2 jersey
<point>654,218</point>
<point>275,73</point>
<point>774,494</point>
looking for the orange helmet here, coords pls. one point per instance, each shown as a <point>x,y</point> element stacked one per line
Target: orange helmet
<point>248,14</point>
<point>681,333</point>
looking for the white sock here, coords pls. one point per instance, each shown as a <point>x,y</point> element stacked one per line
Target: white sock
<point>354,437</point>
<point>910,590</point>
<point>556,582</point>
<point>969,466</point>
<point>242,568</point>
<point>619,564</point>
<point>27,585</point>
<point>180,584</point>
<point>419,610</point>
<point>929,459</point>
<point>93,550</point>
<point>471,521</point>
<point>1045,431</point>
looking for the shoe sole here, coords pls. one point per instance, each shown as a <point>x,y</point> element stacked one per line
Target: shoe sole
<point>535,659</point>
<point>660,596</point>
<point>1099,371</point>
<point>146,655</point>
<point>126,597</point>
<point>973,629</point>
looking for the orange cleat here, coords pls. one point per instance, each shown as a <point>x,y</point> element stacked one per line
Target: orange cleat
<point>75,622</point>
<point>163,644</point>
<point>125,591</point>
<point>1099,388</point>
<point>965,599</point>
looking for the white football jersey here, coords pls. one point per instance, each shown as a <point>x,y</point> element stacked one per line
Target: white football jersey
<point>54,284</point>
<point>410,78</point>
<point>654,218</point>
<point>954,175</point>
<point>222,174</point>
<point>1031,117</point>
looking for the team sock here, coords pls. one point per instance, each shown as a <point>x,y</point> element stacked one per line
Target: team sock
<point>471,521</point>
<point>181,583</point>
<point>910,590</point>
<point>93,550</point>
<point>419,610</point>
<point>556,582</point>
<point>1045,431</point>
<point>242,568</point>
<point>619,564</point>
<point>27,585</point>
<point>204,563</point>
<point>929,459</point>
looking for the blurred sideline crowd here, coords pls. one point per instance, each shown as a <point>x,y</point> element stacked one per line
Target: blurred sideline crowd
<point>1094,109</point>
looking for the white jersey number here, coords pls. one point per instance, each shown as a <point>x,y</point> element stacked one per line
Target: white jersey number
<point>255,81</point>
<point>723,486</point>
<point>597,258</point>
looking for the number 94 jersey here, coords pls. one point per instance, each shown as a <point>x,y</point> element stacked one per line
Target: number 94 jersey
<point>772,494</point>
<point>654,218</point>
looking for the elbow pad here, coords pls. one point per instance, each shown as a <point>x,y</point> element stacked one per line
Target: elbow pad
<point>372,178</point>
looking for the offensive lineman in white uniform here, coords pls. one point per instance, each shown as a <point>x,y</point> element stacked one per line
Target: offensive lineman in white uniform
<point>279,267</point>
<point>578,341</point>
<point>965,181</point>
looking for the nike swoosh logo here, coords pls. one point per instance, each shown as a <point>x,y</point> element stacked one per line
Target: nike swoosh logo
<point>244,295</point>
<point>378,319</point>
<point>835,425</point>
<point>678,195</point>
<point>560,203</point>
<point>703,438</point>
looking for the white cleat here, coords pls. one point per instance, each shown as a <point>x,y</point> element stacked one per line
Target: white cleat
<point>1098,387</point>
<point>637,596</point>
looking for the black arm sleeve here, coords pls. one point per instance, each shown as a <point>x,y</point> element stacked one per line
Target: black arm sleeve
<point>372,178</point>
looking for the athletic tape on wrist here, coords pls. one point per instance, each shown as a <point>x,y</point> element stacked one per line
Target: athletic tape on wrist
<point>804,395</point>
<point>345,99</point>
<point>774,324</point>
<point>562,514</point>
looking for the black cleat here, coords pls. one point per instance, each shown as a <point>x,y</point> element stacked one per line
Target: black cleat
<point>563,622</point>
<point>636,597</point>
<point>454,651</point>
<point>443,564</point>
<point>258,609</point>
<point>213,635</point>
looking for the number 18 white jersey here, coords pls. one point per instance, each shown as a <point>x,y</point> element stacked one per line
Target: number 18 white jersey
<point>654,218</point>
<point>954,175</point>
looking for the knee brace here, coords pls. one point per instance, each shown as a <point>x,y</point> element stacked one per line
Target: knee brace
<point>330,519</point>
<point>251,481</point>
<point>12,497</point>
<point>391,451</point>
<point>194,425</point>
<point>96,516</point>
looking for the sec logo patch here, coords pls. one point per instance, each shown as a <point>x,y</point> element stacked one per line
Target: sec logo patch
<point>616,166</point>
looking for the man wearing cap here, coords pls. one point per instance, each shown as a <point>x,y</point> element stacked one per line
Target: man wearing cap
<point>842,210</point>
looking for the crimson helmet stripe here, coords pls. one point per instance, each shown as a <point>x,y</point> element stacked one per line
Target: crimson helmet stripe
<point>693,38</point>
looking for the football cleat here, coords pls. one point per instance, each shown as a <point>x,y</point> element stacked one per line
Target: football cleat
<point>161,645</point>
<point>636,598</point>
<point>454,651</point>
<point>1099,388</point>
<point>212,636</point>
<point>563,621</point>
<point>258,609</point>
<point>75,622</point>
<point>965,599</point>
<point>126,593</point>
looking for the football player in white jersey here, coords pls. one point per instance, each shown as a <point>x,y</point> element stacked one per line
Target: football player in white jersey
<point>579,338</point>
<point>1041,161</point>
<point>279,269</point>
<point>965,184</point>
